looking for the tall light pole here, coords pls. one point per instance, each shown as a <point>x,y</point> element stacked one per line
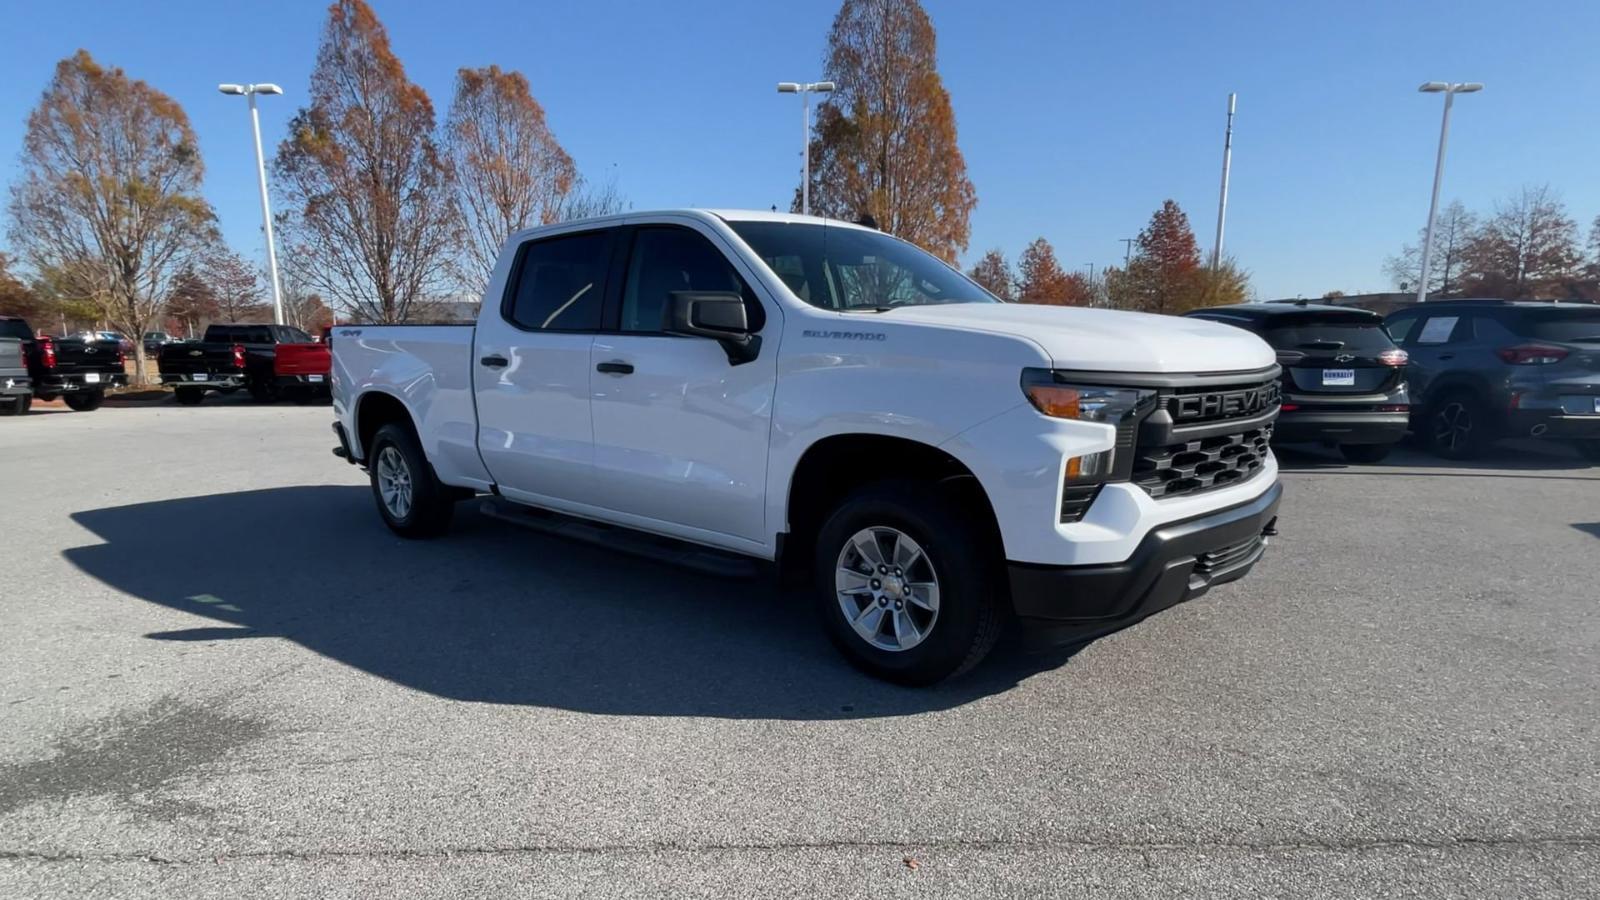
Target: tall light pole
<point>805,91</point>
<point>1227,164</point>
<point>1449,91</point>
<point>250,91</point>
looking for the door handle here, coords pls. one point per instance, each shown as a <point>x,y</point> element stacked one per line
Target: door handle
<point>615,368</point>
<point>495,361</point>
<point>1445,356</point>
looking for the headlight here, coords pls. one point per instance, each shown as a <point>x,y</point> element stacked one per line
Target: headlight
<point>1085,402</point>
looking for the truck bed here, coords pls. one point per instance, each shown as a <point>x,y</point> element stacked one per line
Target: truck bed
<point>427,367</point>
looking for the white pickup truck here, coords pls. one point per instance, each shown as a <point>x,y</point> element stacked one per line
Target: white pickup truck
<point>716,386</point>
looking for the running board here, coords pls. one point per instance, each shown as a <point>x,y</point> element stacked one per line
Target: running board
<point>625,540</point>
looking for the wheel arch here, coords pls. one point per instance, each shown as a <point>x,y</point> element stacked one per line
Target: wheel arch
<point>375,409</point>
<point>834,466</point>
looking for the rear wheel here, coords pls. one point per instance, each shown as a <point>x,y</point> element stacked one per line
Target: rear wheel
<point>15,406</point>
<point>189,396</point>
<point>1365,453</point>
<point>410,498</point>
<point>904,585</point>
<point>1457,427</point>
<point>86,401</point>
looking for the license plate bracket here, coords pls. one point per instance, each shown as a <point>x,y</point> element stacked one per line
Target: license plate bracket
<point>91,377</point>
<point>201,376</point>
<point>1338,377</point>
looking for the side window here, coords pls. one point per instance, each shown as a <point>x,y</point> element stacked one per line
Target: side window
<point>295,336</point>
<point>675,259</point>
<point>560,283</point>
<point>1437,330</point>
<point>1400,328</point>
<point>260,335</point>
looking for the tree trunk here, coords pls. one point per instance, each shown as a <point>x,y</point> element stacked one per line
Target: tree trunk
<point>138,379</point>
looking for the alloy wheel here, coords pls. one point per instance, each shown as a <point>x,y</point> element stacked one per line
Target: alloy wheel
<point>394,482</point>
<point>1452,426</point>
<point>887,588</point>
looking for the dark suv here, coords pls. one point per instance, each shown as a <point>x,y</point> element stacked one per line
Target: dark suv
<point>1343,379</point>
<point>1485,369</point>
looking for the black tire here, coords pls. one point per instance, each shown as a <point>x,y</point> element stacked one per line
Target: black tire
<point>1457,426</point>
<point>189,396</point>
<point>1365,453</point>
<point>85,401</point>
<point>264,392</point>
<point>1589,449</point>
<point>431,503</point>
<point>970,614</point>
<point>15,406</point>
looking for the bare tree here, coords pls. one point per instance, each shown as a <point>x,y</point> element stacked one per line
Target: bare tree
<point>510,171</point>
<point>587,200</point>
<point>367,192</point>
<point>108,202</point>
<point>1451,231</point>
<point>994,275</point>
<point>234,285</point>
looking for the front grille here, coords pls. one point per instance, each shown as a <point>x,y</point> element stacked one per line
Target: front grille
<point>1223,559</point>
<point>1202,464</point>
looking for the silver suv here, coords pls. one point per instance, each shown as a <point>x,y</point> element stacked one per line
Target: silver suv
<point>1486,369</point>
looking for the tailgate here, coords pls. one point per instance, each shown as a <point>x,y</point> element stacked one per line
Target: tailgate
<point>11,357</point>
<point>188,358</point>
<point>302,359</point>
<point>75,356</point>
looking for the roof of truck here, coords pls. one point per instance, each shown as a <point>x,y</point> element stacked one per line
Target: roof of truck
<point>727,215</point>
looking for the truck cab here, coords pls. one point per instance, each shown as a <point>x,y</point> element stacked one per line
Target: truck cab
<point>825,396</point>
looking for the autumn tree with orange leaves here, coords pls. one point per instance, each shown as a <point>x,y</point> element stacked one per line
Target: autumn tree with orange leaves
<point>366,189</point>
<point>886,137</point>
<point>510,171</point>
<point>108,206</point>
<point>994,275</point>
<point>1042,280</point>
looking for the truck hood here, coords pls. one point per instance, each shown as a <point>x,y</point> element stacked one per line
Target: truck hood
<point>1105,340</point>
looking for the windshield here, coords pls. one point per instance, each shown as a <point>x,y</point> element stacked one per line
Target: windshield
<point>851,269</point>
<point>1578,326</point>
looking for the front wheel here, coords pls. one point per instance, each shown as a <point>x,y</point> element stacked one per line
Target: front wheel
<point>1365,453</point>
<point>412,501</point>
<point>905,586</point>
<point>87,401</point>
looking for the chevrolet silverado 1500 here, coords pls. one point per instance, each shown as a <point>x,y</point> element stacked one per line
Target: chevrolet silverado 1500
<point>726,385</point>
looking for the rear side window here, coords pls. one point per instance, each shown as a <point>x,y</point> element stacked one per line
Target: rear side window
<point>560,283</point>
<point>218,334</point>
<point>1444,330</point>
<point>1576,326</point>
<point>1400,329</point>
<point>1331,332</point>
<point>16,328</point>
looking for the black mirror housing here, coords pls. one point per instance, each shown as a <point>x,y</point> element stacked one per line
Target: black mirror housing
<point>719,315</point>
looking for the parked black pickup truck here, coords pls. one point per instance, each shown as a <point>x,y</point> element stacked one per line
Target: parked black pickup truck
<point>16,388</point>
<point>76,370</point>
<point>227,358</point>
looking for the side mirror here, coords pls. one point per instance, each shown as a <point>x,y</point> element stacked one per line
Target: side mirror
<point>719,315</point>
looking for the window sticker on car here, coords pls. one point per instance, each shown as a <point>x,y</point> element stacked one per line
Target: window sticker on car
<point>1438,329</point>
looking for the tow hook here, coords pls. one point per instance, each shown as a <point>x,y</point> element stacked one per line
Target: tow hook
<point>1271,531</point>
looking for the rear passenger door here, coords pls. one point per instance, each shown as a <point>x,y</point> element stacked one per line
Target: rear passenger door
<point>1434,344</point>
<point>531,369</point>
<point>680,432</point>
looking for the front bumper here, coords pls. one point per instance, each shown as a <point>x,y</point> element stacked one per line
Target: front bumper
<point>1175,562</point>
<point>314,382</point>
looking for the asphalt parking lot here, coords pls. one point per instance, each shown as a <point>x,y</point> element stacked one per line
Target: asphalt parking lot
<point>221,676</point>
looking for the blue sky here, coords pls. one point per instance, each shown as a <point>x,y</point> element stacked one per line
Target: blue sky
<point>1076,119</point>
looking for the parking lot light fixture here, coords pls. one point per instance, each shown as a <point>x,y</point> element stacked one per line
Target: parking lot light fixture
<point>1449,91</point>
<point>250,91</point>
<point>805,91</point>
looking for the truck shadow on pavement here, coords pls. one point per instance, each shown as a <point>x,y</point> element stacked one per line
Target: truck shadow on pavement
<point>496,615</point>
